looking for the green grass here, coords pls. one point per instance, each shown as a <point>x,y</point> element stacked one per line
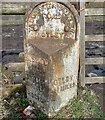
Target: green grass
<point>82,106</point>
<point>17,106</point>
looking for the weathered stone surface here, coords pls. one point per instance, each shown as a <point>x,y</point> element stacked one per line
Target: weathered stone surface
<point>16,66</point>
<point>51,55</point>
<point>21,56</point>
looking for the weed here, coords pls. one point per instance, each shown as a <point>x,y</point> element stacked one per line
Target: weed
<point>84,106</point>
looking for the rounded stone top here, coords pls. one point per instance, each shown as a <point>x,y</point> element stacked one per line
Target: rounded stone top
<point>53,20</point>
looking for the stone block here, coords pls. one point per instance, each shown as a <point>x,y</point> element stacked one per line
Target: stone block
<point>51,55</point>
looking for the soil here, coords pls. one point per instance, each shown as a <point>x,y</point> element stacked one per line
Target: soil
<point>12,45</point>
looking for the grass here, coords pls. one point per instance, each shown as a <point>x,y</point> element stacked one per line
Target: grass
<point>18,105</point>
<point>84,105</point>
